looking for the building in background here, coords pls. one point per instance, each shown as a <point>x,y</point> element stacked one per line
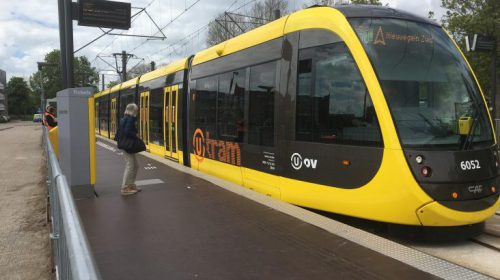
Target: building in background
<point>3,94</point>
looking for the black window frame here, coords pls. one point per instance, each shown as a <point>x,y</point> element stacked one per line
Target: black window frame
<point>248,104</point>
<point>334,139</point>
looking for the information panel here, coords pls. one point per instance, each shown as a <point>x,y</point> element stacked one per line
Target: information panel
<point>107,14</point>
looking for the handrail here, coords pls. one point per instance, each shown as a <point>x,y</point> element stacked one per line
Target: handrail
<point>73,258</point>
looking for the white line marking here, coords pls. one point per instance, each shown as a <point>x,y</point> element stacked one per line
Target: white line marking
<point>106,146</point>
<point>149,182</point>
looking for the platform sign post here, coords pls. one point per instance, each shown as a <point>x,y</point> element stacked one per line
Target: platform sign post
<point>96,13</point>
<point>76,140</point>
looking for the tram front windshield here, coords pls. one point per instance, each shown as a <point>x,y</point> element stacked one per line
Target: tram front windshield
<point>433,97</point>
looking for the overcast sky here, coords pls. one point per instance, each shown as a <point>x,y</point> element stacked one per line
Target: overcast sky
<point>29,30</point>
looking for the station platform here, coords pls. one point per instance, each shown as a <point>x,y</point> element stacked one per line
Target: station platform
<point>188,225</point>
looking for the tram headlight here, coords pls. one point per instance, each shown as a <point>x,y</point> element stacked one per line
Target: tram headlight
<point>426,171</point>
<point>419,159</point>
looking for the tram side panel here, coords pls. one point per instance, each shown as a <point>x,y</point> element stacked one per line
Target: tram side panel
<point>232,116</point>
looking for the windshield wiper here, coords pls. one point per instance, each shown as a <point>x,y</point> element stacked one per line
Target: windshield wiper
<point>470,135</point>
<point>476,107</point>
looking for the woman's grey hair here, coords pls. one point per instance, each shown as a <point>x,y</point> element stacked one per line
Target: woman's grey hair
<point>131,110</point>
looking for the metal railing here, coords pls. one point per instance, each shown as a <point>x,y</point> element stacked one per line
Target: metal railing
<point>73,258</point>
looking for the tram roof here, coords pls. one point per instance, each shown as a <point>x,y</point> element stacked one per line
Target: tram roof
<point>115,88</point>
<point>129,83</point>
<point>99,94</point>
<point>165,70</point>
<point>372,11</point>
<point>246,40</point>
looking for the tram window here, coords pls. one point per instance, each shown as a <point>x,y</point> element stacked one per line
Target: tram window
<point>333,104</point>
<point>156,117</point>
<point>205,104</point>
<point>261,107</point>
<point>103,114</point>
<point>125,99</point>
<point>231,102</point>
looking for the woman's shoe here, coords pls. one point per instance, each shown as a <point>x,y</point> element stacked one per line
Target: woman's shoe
<point>135,187</point>
<point>128,190</point>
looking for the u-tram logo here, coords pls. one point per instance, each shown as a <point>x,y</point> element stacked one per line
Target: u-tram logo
<point>224,151</point>
<point>199,145</point>
<point>297,162</point>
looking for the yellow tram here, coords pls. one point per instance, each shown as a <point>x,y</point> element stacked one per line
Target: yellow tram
<point>358,110</point>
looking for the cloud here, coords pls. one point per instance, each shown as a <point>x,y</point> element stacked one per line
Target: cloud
<point>29,30</point>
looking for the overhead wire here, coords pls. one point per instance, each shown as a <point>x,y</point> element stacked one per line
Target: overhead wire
<point>202,27</point>
<point>187,37</point>
<point>114,39</point>
<point>168,24</point>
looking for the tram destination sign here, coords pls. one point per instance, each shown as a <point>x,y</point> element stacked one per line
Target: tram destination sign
<point>106,14</point>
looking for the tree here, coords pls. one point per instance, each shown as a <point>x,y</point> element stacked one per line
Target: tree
<point>466,17</point>
<point>50,76</point>
<point>138,70</point>
<point>84,74</point>
<point>228,25</point>
<point>225,27</point>
<point>263,12</point>
<point>21,98</point>
<point>113,83</point>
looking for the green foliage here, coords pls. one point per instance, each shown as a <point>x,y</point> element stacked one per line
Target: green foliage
<point>112,84</point>
<point>467,17</point>
<point>20,97</point>
<point>84,75</point>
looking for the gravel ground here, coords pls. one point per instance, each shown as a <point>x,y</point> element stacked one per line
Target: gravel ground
<point>25,251</point>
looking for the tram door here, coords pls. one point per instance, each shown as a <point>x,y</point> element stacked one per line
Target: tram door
<point>113,119</point>
<point>144,115</point>
<point>171,102</point>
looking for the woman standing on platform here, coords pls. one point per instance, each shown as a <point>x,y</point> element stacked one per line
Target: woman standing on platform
<point>131,144</point>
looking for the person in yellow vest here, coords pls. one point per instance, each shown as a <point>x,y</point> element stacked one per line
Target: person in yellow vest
<point>49,118</point>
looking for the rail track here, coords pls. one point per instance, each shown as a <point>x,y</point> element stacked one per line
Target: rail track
<point>491,236</point>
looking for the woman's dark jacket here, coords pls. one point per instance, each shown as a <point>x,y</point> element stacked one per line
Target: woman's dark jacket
<point>128,128</point>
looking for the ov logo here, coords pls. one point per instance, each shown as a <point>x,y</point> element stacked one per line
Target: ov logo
<point>297,162</point>
<point>199,145</point>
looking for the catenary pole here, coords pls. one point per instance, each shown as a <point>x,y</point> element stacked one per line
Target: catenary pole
<point>68,22</point>
<point>62,42</point>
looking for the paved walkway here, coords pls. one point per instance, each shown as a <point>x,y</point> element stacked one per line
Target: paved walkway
<point>184,227</point>
<point>24,237</point>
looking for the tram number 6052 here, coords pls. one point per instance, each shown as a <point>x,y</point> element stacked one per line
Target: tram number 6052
<point>470,164</point>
